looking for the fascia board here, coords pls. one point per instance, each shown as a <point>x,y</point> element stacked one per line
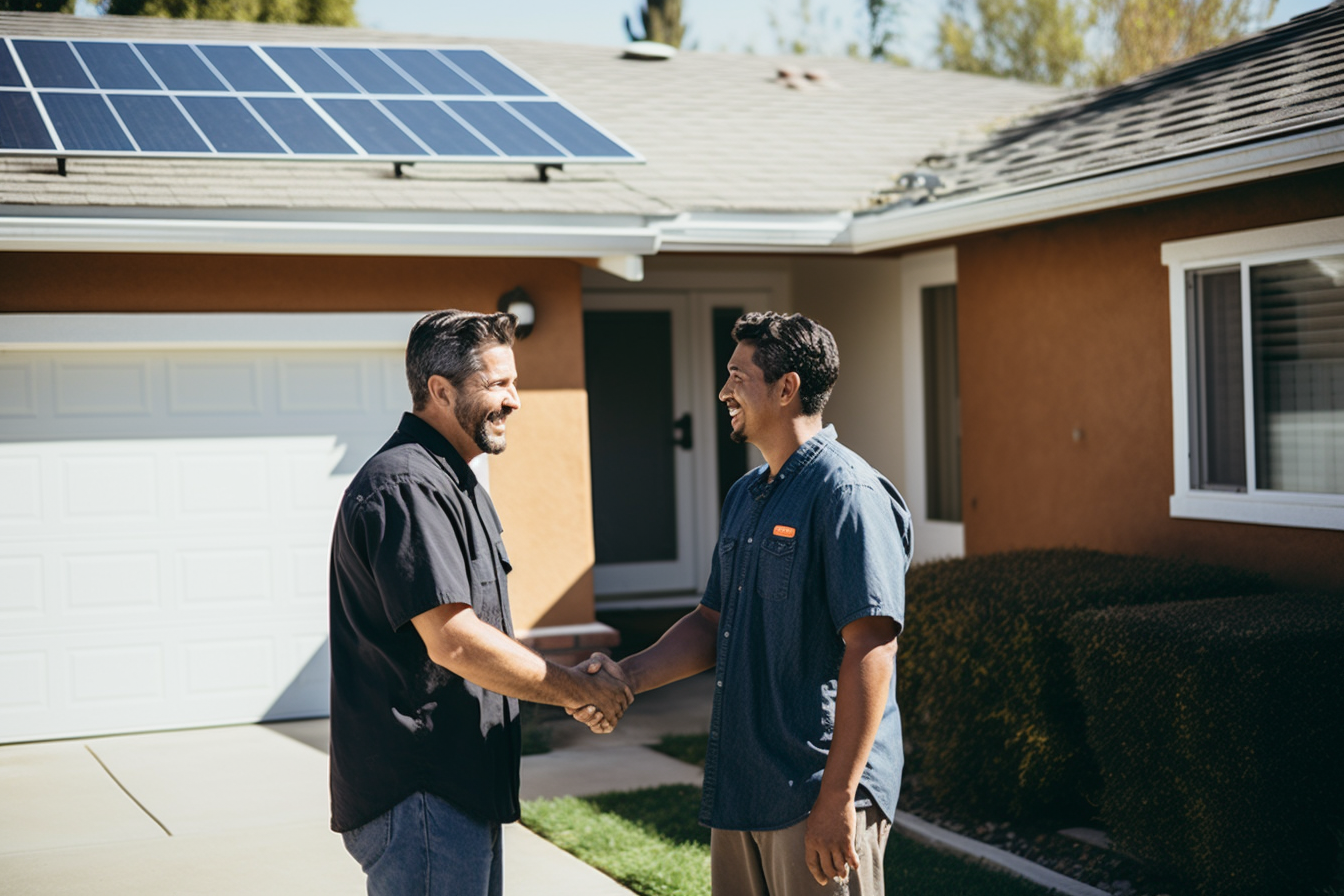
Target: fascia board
<point>265,236</point>
<point>991,211</point>
<point>753,231</point>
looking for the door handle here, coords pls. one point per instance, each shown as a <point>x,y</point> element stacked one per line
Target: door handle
<point>681,431</point>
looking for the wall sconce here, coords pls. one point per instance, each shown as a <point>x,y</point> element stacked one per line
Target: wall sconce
<point>518,303</point>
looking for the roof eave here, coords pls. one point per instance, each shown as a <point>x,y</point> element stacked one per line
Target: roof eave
<point>46,229</point>
<point>936,221</point>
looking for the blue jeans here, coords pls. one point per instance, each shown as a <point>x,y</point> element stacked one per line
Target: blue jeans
<point>425,846</point>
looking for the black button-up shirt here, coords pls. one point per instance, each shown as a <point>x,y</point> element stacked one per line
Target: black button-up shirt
<point>415,530</point>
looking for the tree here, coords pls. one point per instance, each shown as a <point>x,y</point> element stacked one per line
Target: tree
<point>305,12</point>
<point>662,22</point>
<point>1151,33</point>
<point>1033,40</point>
<point>65,6</point>
<point>882,15</point>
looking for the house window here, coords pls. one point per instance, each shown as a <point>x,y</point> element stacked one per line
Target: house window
<point>1258,352</point>
<point>942,403</point>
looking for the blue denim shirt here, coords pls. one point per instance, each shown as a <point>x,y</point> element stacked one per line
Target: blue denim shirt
<point>826,543</point>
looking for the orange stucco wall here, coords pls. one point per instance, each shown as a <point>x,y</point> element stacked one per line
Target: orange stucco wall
<point>1065,326</point>
<point>540,484</point>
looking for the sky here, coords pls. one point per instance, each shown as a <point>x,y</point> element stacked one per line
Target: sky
<point>732,25</point>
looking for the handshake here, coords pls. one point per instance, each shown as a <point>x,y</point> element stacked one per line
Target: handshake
<point>602,692</point>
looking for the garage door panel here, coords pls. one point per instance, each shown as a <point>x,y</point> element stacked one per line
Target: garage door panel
<point>122,484</point>
<point>215,387</point>
<point>165,521</point>
<point>21,587</point>
<point>106,582</point>
<point>18,389</point>
<point>223,580</point>
<point>162,677</point>
<point>21,486</point>
<point>104,676</point>
<point>235,666</point>
<point>118,385</point>
<point>23,681</point>
<point>214,485</point>
<point>324,386</point>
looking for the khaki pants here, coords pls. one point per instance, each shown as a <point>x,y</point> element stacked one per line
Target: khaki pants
<point>772,863</point>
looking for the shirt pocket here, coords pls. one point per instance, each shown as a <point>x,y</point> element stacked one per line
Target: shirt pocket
<point>776,567</point>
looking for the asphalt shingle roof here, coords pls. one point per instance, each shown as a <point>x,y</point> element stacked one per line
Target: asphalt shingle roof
<point>1281,81</point>
<point>720,132</point>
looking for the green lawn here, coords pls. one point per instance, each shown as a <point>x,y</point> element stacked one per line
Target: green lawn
<point>649,841</point>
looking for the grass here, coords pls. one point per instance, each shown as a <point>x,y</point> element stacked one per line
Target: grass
<point>689,748</point>
<point>649,841</point>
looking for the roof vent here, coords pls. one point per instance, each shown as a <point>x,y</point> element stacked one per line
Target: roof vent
<point>649,51</point>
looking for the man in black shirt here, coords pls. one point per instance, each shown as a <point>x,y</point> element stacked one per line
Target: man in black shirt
<point>426,675</point>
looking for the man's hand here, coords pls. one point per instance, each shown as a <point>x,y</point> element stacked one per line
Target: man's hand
<point>607,694</point>
<point>590,715</point>
<point>830,837</point>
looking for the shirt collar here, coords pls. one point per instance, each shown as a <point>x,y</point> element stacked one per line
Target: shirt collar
<point>804,455</point>
<point>415,429</point>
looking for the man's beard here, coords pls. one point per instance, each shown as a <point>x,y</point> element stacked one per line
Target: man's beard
<point>477,424</point>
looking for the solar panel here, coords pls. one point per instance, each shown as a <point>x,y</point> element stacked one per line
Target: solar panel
<point>209,100</point>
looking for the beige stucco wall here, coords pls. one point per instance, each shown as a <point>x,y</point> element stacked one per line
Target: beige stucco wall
<point>1066,325</point>
<point>540,485</point>
<point>859,301</point>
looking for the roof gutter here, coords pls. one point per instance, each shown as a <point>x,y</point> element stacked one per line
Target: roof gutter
<point>892,228</point>
<point>44,229</point>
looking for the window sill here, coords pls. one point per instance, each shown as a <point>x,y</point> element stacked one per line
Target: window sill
<point>1302,512</point>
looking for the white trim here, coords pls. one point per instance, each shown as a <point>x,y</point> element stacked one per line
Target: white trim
<point>933,538</point>
<point>486,236</point>
<point>1246,248</point>
<point>991,210</point>
<point>942,838</point>
<point>762,231</point>
<point>62,332</point>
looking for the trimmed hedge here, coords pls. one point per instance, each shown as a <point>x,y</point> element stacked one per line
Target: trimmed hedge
<point>1218,725</point>
<point>987,689</point>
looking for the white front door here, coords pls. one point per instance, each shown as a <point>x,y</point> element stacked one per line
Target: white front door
<point>661,457</point>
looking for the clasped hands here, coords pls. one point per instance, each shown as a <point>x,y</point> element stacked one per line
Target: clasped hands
<point>606,694</point>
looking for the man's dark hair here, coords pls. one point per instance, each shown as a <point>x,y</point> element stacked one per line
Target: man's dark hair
<point>791,342</point>
<point>449,344</point>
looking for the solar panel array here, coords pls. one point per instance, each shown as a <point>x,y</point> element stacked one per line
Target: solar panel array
<point>405,104</point>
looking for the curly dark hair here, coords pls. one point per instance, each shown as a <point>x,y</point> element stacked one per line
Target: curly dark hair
<point>791,342</point>
<point>449,343</point>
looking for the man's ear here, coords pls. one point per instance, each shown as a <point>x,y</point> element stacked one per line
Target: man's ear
<point>789,386</point>
<point>441,391</point>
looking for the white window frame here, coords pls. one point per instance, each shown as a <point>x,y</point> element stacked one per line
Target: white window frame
<point>934,539</point>
<point>1243,249</point>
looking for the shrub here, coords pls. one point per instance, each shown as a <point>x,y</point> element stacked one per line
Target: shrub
<point>1217,725</point>
<point>987,688</point>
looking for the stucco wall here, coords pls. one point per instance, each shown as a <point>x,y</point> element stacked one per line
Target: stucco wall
<point>540,485</point>
<point>859,301</point>
<point>1065,326</point>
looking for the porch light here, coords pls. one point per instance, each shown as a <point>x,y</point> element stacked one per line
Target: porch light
<point>518,303</point>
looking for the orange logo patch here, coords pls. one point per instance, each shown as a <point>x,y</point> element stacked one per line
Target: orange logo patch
<point>785,531</point>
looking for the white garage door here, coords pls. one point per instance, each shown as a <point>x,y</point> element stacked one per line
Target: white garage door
<point>165,517</point>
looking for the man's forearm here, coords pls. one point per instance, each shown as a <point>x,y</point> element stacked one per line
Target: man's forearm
<point>688,647</point>
<point>861,698</point>
<point>463,644</point>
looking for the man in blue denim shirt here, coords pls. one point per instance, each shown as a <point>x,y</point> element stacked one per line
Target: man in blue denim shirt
<point>805,600</point>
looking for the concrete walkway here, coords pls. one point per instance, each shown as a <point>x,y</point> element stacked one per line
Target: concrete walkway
<point>226,811</point>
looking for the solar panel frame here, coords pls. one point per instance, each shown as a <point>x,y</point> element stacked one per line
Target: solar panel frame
<point>345,146</point>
